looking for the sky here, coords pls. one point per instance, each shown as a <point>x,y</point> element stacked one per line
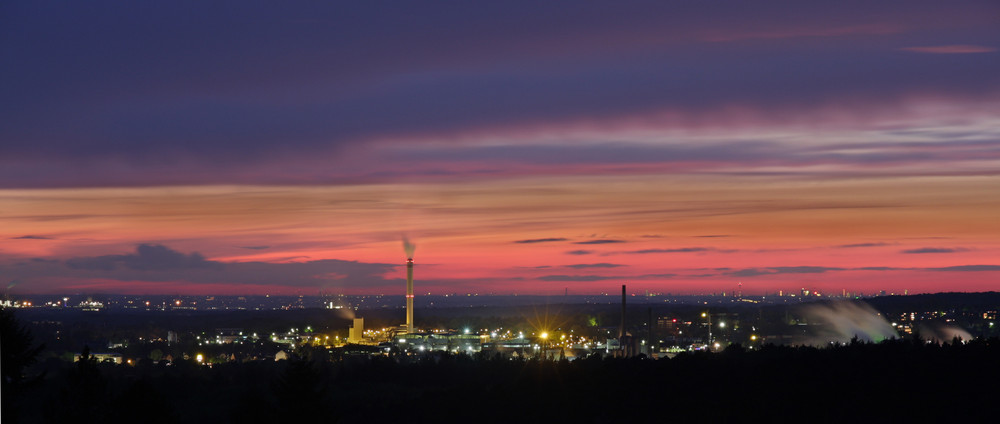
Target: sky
<point>525,147</point>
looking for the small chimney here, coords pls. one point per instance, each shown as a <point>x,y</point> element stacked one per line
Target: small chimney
<point>621,329</point>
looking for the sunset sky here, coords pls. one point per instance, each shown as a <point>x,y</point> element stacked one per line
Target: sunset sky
<point>524,147</point>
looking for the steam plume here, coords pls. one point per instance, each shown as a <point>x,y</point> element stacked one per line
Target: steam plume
<point>408,247</point>
<point>941,333</point>
<point>839,322</point>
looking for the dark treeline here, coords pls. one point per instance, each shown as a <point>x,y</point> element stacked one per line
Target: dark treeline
<point>865,382</point>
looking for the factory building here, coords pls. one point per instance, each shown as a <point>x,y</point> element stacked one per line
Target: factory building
<point>101,357</point>
<point>451,342</point>
<point>356,333</point>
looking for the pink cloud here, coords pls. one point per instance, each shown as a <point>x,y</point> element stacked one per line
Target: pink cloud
<point>798,32</point>
<point>951,49</point>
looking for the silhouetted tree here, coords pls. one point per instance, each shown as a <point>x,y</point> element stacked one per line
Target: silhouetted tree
<point>84,395</point>
<point>17,354</point>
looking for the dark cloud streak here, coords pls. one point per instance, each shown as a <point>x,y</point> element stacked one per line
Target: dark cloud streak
<point>600,241</point>
<point>675,250</point>
<point>934,250</point>
<point>597,265</point>
<point>576,278</point>
<point>541,240</point>
<point>857,245</point>
<point>967,268</point>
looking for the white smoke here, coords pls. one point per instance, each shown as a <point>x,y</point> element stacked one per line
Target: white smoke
<point>940,333</point>
<point>839,322</point>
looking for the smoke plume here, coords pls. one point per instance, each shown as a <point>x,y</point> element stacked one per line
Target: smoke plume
<point>408,247</point>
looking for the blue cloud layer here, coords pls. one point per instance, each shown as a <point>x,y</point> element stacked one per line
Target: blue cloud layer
<point>178,93</point>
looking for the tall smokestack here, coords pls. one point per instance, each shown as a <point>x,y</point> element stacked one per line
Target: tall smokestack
<point>409,248</point>
<point>409,296</point>
<point>621,329</point>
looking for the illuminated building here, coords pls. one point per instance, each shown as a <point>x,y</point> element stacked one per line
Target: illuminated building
<point>356,333</point>
<point>101,357</point>
<point>426,342</point>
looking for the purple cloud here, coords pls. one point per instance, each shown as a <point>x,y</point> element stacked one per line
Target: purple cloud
<point>967,268</point>
<point>576,278</point>
<point>857,245</point>
<point>156,263</point>
<point>600,241</point>
<point>147,257</point>
<point>675,250</point>
<point>755,272</point>
<point>597,265</point>
<point>164,94</point>
<point>935,250</point>
<point>951,49</point>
